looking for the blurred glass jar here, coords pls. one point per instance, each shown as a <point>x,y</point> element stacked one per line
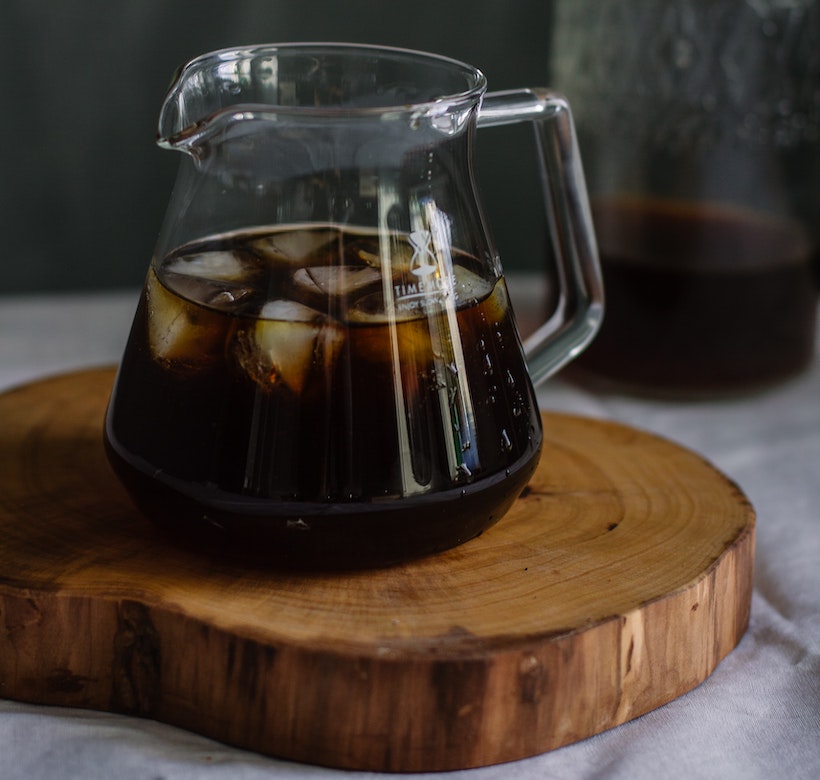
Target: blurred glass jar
<point>699,125</point>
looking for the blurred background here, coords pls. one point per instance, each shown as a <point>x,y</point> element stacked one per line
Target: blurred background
<point>83,187</point>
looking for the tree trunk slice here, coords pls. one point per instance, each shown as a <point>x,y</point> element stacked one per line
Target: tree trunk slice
<point>618,581</point>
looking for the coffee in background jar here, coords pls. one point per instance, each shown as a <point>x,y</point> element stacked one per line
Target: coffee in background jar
<point>699,125</point>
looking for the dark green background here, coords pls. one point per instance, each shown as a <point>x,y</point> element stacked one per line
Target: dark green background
<point>83,187</point>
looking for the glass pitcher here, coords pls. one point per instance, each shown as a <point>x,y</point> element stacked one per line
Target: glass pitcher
<point>324,368</point>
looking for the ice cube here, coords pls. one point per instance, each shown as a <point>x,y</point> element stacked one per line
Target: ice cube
<point>370,250</point>
<point>221,266</point>
<point>293,247</point>
<point>285,342</point>
<point>230,297</point>
<point>283,310</point>
<point>497,304</point>
<point>327,287</point>
<point>469,287</point>
<point>180,333</point>
<point>223,280</point>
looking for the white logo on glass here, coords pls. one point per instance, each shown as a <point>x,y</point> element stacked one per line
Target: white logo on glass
<point>423,262</point>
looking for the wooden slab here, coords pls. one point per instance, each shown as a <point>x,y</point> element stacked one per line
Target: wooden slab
<point>619,580</point>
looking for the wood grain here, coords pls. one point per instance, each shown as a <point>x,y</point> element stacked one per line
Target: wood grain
<point>619,580</point>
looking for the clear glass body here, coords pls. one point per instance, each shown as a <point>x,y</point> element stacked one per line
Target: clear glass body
<point>324,368</point>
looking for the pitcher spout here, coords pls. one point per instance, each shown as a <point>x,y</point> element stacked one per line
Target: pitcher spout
<point>207,92</point>
<point>306,83</point>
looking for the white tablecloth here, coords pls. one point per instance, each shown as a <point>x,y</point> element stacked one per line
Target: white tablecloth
<point>757,716</point>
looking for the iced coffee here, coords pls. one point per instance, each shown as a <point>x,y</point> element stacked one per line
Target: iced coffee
<point>323,395</point>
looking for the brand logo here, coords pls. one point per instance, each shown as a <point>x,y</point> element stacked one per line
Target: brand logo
<point>423,263</point>
<point>431,280</point>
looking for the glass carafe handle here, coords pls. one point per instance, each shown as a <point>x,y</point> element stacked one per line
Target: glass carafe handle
<point>580,306</point>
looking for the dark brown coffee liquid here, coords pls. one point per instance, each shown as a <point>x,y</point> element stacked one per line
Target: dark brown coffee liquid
<point>700,300</point>
<point>280,394</point>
